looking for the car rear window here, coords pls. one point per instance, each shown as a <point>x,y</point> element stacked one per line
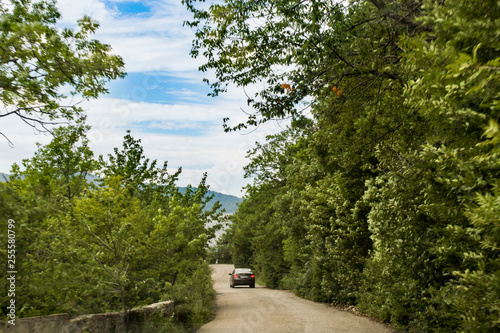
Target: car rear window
<point>242,270</point>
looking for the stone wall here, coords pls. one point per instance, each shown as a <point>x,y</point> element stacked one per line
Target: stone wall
<point>140,320</point>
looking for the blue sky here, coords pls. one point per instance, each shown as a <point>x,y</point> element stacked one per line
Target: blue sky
<point>158,88</point>
<point>163,99</point>
<point>132,8</point>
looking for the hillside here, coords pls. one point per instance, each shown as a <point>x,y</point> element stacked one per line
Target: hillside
<point>229,202</point>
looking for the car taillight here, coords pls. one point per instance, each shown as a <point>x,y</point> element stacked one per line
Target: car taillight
<point>252,276</point>
<point>235,276</point>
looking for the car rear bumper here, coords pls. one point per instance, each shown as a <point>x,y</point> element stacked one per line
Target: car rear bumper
<point>243,282</point>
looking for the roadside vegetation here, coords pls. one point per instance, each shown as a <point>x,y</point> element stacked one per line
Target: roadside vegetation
<point>220,252</point>
<point>384,190</point>
<point>128,239</point>
<point>92,233</point>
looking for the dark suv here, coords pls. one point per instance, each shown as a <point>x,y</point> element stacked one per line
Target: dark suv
<point>242,276</point>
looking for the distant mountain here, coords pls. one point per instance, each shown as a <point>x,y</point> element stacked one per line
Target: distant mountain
<point>229,202</point>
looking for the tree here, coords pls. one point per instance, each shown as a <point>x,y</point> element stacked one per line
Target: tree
<point>50,267</point>
<point>175,223</point>
<point>220,252</point>
<point>107,224</point>
<point>61,168</point>
<point>130,163</point>
<point>300,50</point>
<point>38,60</point>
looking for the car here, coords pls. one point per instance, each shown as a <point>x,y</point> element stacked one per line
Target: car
<point>242,276</point>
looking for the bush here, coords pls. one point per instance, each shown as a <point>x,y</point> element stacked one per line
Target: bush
<point>194,299</point>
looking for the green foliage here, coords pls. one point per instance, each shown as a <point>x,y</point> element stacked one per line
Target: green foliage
<point>338,237</point>
<point>194,298</point>
<point>110,245</point>
<point>300,50</point>
<point>472,296</point>
<point>388,197</point>
<point>45,191</point>
<point>38,60</point>
<point>107,225</point>
<point>84,247</point>
<point>221,251</point>
<point>60,168</point>
<point>130,163</point>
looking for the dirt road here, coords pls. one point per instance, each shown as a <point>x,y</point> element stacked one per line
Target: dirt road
<point>244,309</point>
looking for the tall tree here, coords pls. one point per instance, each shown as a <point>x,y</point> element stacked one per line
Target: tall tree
<point>130,163</point>
<point>107,224</point>
<point>46,187</point>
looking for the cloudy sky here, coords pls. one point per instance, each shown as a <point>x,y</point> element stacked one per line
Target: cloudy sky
<point>163,100</point>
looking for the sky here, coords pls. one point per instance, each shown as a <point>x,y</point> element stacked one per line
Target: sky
<point>162,100</point>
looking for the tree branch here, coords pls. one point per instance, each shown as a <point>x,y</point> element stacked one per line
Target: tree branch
<point>382,6</point>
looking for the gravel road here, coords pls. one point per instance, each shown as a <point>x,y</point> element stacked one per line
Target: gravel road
<point>243,309</point>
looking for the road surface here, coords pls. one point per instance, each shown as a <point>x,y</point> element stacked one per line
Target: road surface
<point>244,309</point>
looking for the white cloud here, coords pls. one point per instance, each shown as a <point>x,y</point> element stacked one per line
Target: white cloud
<point>72,10</point>
<point>154,53</point>
<point>147,43</point>
<point>23,138</point>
